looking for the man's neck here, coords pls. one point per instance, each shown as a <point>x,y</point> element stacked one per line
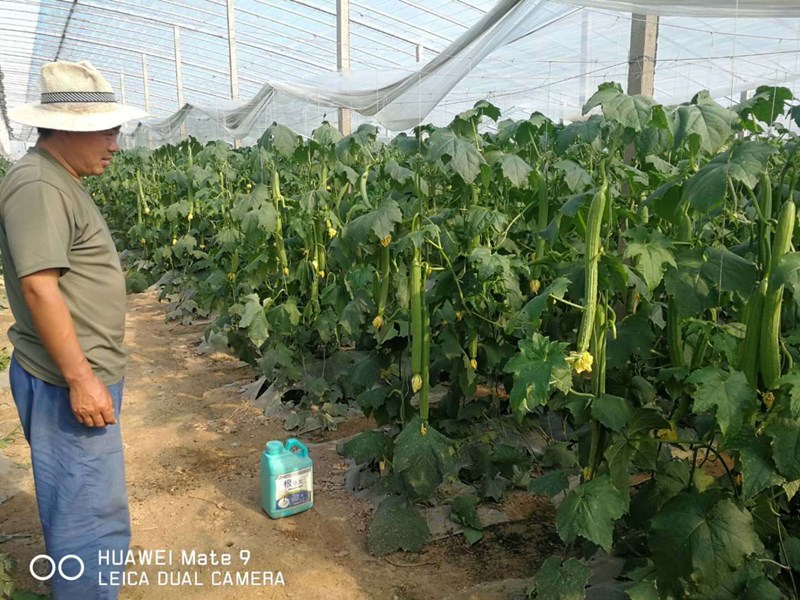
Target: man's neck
<point>53,148</point>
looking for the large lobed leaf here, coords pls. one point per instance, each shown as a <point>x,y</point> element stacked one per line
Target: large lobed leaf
<point>397,525</point>
<point>652,251</point>
<point>702,537</point>
<point>379,222</point>
<point>707,120</point>
<point>557,581</point>
<point>590,511</point>
<point>538,369</point>
<point>727,394</point>
<point>745,162</point>
<point>423,456</point>
<point>634,112</point>
<point>464,157</point>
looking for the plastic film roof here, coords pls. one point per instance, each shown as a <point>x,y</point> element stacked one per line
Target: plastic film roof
<point>546,56</point>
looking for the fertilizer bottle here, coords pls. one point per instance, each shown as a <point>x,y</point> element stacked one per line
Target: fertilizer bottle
<point>287,479</point>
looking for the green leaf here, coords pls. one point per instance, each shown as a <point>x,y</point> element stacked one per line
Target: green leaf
<point>254,319</point>
<point>550,484</point>
<point>612,411</point>
<point>701,537</point>
<point>627,450</point>
<point>758,471</point>
<point>729,272</point>
<point>379,222</point>
<point>536,369</point>
<point>465,159</point>
<point>465,512</point>
<point>559,454</point>
<point>792,381</point>
<point>762,589</point>
<point>791,547</point>
<point>590,511</point>
<point>706,119</point>
<point>515,170</point>
<point>397,525</point>
<point>643,590</point>
<point>585,131</point>
<point>398,173</point>
<point>785,434</point>
<point>635,337</point>
<point>634,112</point>
<point>652,252</point>
<point>423,456</point>
<point>745,162</point>
<point>727,393</point>
<point>786,270</point>
<point>575,176</point>
<point>686,286</point>
<point>557,581</point>
<point>280,139</point>
<point>767,104</point>
<point>368,446</point>
<point>533,309</point>
<point>325,135</point>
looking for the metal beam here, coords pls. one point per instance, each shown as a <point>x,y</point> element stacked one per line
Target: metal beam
<point>234,72</point>
<point>145,84</point>
<point>343,56</point>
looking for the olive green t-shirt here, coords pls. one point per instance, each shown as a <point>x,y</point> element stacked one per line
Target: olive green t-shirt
<point>49,221</point>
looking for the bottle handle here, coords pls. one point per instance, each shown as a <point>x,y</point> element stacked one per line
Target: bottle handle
<point>294,443</point>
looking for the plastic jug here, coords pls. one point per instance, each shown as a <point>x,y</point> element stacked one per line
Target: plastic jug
<point>287,479</point>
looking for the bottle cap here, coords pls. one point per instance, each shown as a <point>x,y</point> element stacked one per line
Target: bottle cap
<point>274,447</point>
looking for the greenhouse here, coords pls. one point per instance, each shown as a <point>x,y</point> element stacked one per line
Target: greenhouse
<point>411,299</point>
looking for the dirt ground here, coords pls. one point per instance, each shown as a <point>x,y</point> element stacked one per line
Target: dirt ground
<point>193,445</point>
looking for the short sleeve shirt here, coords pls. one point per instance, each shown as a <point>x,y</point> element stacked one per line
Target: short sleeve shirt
<point>49,221</point>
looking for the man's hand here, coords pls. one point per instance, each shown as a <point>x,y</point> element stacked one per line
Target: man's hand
<point>91,402</point>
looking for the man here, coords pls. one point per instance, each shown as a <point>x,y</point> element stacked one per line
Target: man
<point>67,294</point>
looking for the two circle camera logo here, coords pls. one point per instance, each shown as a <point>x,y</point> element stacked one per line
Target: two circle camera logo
<point>53,567</point>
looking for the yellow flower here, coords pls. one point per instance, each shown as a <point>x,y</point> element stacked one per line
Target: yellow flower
<point>668,434</point>
<point>377,322</point>
<point>459,315</point>
<point>386,241</point>
<point>231,276</point>
<point>416,383</point>
<point>581,361</point>
<point>769,399</point>
<point>331,232</point>
<point>534,285</point>
<point>473,363</point>
<point>174,241</point>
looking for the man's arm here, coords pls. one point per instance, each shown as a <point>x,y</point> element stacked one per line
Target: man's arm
<point>89,397</point>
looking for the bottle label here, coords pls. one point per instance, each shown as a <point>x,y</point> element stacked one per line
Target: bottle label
<point>293,489</point>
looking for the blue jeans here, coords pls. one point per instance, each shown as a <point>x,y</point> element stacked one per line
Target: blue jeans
<point>79,474</point>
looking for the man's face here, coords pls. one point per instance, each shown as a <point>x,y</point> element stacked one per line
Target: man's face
<point>90,152</point>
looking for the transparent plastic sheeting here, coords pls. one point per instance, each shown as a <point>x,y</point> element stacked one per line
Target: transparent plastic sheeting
<point>708,8</point>
<point>396,100</point>
<point>518,56</point>
<point>522,55</point>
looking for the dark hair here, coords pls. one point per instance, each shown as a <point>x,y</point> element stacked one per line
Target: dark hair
<point>44,132</point>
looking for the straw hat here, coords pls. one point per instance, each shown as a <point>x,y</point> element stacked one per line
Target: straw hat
<point>75,97</point>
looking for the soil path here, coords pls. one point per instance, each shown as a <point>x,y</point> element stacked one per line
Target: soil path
<point>193,445</point>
